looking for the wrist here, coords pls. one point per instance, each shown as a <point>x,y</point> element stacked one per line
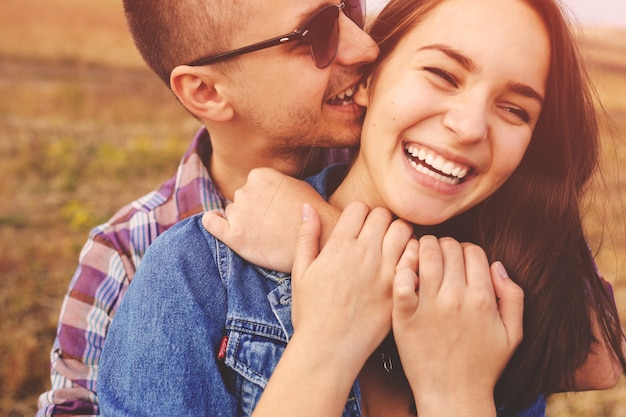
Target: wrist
<point>446,404</point>
<point>341,364</point>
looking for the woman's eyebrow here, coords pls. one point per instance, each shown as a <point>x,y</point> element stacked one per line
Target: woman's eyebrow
<point>526,91</point>
<point>464,61</point>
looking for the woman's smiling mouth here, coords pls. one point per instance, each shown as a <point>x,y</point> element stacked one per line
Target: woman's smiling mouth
<point>434,165</point>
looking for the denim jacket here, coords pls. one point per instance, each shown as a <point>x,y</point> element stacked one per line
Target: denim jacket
<point>200,330</point>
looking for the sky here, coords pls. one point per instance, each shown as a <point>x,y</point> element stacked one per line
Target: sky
<point>588,12</point>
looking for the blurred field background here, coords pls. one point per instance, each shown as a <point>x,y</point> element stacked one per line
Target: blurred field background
<point>86,128</point>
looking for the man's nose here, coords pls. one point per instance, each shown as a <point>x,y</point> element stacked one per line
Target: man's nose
<point>355,46</point>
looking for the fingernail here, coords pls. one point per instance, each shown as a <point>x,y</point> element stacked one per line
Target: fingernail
<point>306,212</point>
<point>501,269</point>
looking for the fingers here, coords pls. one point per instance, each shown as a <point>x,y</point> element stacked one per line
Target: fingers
<point>510,302</point>
<point>405,297</point>
<point>215,223</point>
<point>377,227</point>
<point>454,266</point>
<point>307,240</point>
<point>477,269</point>
<point>373,229</point>
<point>430,268</point>
<point>448,266</point>
<point>395,242</point>
<point>410,256</point>
<point>405,283</point>
<point>351,220</point>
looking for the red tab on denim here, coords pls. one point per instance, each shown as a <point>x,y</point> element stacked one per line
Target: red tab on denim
<point>221,354</point>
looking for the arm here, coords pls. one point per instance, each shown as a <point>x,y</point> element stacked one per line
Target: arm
<point>341,311</point>
<point>84,320</point>
<point>159,357</point>
<point>602,369</point>
<point>262,222</point>
<point>457,332</point>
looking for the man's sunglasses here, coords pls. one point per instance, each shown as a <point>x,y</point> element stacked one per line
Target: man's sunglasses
<point>320,32</point>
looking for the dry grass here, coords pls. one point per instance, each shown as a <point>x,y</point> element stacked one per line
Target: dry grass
<point>67,30</point>
<point>84,128</point>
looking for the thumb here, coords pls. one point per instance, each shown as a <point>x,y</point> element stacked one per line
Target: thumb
<point>215,223</point>
<point>307,241</point>
<point>510,298</point>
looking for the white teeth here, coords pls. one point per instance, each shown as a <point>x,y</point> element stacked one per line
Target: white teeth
<point>438,163</point>
<point>453,171</point>
<point>447,168</point>
<point>345,95</point>
<point>421,168</point>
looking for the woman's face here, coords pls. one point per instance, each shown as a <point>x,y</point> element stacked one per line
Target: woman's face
<point>452,109</point>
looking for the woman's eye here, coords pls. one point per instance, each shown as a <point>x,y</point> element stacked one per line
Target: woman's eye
<point>519,114</point>
<point>443,74</point>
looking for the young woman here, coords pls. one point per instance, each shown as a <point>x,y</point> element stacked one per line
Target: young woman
<point>478,126</point>
<point>532,223</point>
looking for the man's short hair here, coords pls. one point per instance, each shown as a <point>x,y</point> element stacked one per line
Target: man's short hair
<point>169,33</point>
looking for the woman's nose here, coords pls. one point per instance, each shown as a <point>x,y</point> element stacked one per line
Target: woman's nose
<point>467,119</point>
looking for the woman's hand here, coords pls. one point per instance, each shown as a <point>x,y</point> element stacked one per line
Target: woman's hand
<point>342,295</point>
<point>341,310</point>
<point>457,331</point>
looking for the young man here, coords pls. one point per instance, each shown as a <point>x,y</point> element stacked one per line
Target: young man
<point>276,104</point>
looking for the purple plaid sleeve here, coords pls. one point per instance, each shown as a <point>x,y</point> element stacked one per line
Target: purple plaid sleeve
<point>106,266</point>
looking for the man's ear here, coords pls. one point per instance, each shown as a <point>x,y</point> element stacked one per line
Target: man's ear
<point>201,91</point>
<point>362,94</point>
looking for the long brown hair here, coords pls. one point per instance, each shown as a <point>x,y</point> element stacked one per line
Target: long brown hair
<point>533,223</point>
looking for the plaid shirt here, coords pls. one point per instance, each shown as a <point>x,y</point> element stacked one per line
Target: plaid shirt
<point>107,264</point>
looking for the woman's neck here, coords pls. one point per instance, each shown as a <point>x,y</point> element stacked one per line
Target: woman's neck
<point>356,186</point>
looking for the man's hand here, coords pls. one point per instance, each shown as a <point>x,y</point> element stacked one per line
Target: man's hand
<point>262,222</point>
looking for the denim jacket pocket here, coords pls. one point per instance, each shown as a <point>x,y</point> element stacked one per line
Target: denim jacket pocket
<point>253,351</point>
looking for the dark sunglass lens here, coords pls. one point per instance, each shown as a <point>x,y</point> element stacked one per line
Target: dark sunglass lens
<point>355,10</point>
<point>323,36</point>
